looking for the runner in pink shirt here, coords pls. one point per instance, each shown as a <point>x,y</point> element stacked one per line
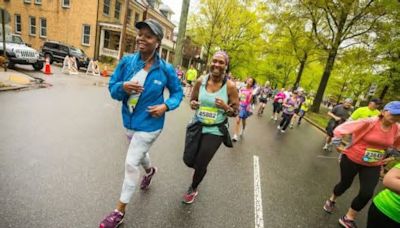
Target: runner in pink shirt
<point>245,97</point>
<point>370,138</point>
<point>277,105</point>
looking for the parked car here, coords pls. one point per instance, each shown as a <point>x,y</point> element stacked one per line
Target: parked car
<point>18,52</point>
<point>56,52</point>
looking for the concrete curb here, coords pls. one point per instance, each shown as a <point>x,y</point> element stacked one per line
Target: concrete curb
<point>315,125</point>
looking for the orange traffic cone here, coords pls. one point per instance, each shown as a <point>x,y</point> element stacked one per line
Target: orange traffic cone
<point>47,68</point>
<point>104,73</point>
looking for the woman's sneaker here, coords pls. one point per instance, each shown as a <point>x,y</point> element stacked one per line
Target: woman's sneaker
<point>345,222</point>
<point>235,138</point>
<point>113,220</point>
<point>146,180</point>
<point>329,206</point>
<point>190,196</point>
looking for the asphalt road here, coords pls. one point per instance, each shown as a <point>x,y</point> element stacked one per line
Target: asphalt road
<point>62,152</point>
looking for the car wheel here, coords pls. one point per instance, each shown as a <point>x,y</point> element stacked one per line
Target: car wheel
<point>47,55</point>
<point>37,66</point>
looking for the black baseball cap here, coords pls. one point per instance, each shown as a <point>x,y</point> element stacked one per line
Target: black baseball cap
<point>154,26</point>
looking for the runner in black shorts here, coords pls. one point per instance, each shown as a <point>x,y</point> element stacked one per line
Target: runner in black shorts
<point>263,98</point>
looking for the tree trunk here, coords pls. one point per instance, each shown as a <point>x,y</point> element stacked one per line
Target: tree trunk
<point>301,69</point>
<point>181,32</point>
<point>324,80</point>
<point>384,91</point>
<point>341,92</point>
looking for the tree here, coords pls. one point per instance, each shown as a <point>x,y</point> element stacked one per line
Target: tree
<point>181,32</point>
<point>337,25</point>
<point>229,25</point>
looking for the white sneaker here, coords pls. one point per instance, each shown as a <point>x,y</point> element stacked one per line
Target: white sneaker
<point>276,118</point>
<point>235,138</point>
<point>241,132</point>
<point>282,131</point>
<point>326,147</point>
<point>272,117</point>
<point>278,127</point>
<point>291,126</point>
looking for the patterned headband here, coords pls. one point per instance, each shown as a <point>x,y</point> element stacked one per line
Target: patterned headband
<point>224,55</point>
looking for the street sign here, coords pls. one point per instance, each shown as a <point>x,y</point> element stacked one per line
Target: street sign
<point>372,89</point>
<point>7,17</point>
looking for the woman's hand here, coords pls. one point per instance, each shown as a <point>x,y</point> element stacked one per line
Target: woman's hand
<point>221,104</point>
<point>194,104</point>
<point>340,149</point>
<point>157,110</point>
<point>132,87</point>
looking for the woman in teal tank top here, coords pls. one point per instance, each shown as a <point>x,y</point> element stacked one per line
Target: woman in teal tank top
<point>214,98</point>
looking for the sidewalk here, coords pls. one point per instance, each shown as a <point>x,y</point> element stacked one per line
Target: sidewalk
<point>13,80</point>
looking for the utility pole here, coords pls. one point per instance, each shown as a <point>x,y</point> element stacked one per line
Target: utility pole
<point>181,32</point>
<point>123,33</point>
<point>3,23</point>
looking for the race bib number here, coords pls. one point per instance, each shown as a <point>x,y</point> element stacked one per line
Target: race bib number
<point>373,155</point>
<point>280,100</point>
<point>264,96</point>
<point>290,109</point>
<point>207,115</point>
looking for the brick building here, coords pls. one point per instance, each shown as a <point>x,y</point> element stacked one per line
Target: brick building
<point>92,25</point>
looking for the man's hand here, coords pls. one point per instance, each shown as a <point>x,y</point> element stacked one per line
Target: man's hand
<point>132,87</point>
<point>194,104</point>
<point>157,110</point>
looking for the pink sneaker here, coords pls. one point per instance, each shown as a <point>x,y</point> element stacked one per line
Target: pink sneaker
<point>190,196</point>
<point>146,181</point>
<point>113,220</point>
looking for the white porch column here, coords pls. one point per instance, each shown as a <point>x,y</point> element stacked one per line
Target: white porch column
<point>101,42</point>
<point>167,57</point>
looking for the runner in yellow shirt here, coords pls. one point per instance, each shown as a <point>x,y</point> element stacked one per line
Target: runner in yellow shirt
<point>191,76</point>
<point>366,112</point>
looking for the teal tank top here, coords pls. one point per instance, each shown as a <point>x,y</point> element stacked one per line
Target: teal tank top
<point>208,113</point>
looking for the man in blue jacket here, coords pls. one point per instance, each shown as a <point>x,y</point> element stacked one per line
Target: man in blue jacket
<point>139,82</point>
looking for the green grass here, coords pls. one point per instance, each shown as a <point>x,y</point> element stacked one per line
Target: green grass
<point>321,118</point>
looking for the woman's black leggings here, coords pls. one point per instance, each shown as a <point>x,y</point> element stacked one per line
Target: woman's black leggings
<point>208,146</point>
<point>376,219</point>
<point>286,118</point>
<point>368,175</point>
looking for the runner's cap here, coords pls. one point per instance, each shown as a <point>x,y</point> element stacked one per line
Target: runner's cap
<point>154,26</point>
<point>393,107</point>
<point>348,100</point>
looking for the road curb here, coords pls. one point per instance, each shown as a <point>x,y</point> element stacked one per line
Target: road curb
<point>315,125</point>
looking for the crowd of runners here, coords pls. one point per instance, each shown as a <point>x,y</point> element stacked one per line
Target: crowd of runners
<point>140,79</point>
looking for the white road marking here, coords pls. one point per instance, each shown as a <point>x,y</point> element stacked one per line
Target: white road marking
<point>322,156</point>
<point>258,209</point>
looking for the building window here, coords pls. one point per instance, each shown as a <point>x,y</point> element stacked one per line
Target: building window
<point>117,9</point>
<point>32,26</point>
<point>86,35</point>
<point>43,27</point>
<point>18,26</point>
<point>129,16</point>
<point>106,7</point>
<point>66,3</point>
<point>137,16</point>
<point>106,39</point>
<point>27,1</point>
<point>38,2</point>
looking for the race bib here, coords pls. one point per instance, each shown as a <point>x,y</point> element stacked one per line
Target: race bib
<point>373,155</point>
<point>207,115</point>
<point>290,109</point>
<point>280,100</point>
<point>264,96</point>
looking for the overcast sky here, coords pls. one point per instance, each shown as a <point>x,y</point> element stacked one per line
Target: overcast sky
<point>176,6</point>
